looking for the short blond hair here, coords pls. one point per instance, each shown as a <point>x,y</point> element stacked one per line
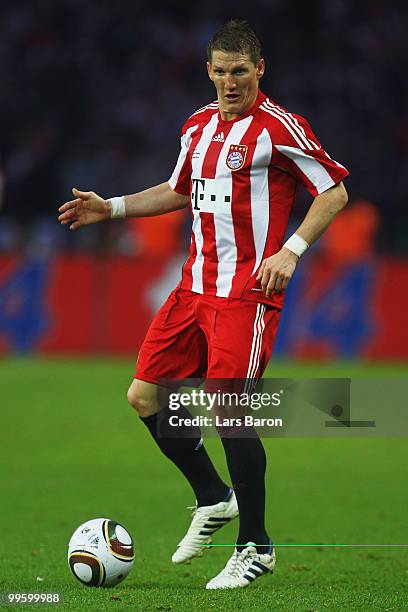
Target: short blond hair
<point>236,37</point>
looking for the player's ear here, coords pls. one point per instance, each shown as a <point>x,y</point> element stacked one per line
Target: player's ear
<point>209,71</point>
<point>260,69</point>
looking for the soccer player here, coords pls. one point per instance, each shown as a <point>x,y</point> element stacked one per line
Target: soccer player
<point>242,157</point>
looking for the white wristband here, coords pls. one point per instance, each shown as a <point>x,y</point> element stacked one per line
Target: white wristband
<point>118,209</point>
<point>296,244</point>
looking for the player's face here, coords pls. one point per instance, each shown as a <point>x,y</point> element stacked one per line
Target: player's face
<point>236,80</point>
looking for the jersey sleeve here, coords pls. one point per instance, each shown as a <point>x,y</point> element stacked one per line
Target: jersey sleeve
<point>297,151</point>
<point>180,179</point>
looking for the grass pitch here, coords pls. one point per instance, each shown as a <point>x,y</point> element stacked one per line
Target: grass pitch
<point>72,449</point>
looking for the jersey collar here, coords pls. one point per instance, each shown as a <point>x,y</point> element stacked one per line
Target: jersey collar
<point>259,99</point>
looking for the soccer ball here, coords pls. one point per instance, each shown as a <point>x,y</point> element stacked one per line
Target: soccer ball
<point>100,553</point>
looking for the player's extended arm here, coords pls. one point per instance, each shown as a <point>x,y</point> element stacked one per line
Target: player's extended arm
<point>276,271</point>
<point>88,207</point>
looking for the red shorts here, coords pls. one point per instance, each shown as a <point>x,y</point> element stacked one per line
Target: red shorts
<point>202,336</point>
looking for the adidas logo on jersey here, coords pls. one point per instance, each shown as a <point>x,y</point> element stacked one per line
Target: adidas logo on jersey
<point>219,137</point>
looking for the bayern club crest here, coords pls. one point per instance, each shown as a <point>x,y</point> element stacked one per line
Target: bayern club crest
<point>236,156</point>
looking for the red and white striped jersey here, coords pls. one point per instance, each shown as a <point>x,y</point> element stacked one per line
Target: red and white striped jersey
<point>241,176</point>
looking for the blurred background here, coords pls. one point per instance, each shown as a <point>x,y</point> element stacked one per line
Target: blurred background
<point>94,94</point>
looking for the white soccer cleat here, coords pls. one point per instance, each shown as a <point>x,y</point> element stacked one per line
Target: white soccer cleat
<point>243,568</point>
<point>206,521</point>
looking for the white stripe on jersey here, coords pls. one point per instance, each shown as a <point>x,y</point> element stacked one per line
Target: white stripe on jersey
<point>202,146</point>
<point>224,226</point>
<point>314,170</point>
<point>294,122</point>
<point>197,267</point>
<point>197,164</point>
<point>185,145</point>
<point>260,193</point>
<point>287,125</point>
<point>333,160</point>
<point>203,108</point>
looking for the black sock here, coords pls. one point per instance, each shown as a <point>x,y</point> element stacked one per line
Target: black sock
<point>246,461</point>
<point>184,447</point>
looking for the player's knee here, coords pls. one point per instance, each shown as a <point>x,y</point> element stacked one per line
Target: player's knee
<point>141,399</point>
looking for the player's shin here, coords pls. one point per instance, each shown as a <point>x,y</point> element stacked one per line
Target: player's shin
<point>184,447</point>
<point>246,461</point>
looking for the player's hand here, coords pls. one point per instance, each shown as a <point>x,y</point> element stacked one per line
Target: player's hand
<point>87,208</point>
<point>276,271</point>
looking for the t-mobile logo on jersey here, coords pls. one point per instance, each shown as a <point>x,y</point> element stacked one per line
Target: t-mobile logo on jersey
<point>211,195</point>
<point>197,193</point>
